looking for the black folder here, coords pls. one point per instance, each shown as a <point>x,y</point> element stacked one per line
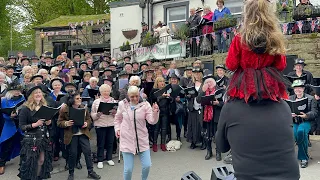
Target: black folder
<point>162,91</point>
<point>84,84</point>
<point>316,81</point>
<point>220,82</point>
<point>8,111</point>
<point>46,112</point>
<point>59,97</point>
<point>316,89</point>
<point>191,91</point>
<point>176,90</point>
<point>93,92</point>
<point>298,106</point>
<point>218,95</point>
<point>105,108</point>
<point>77,115</point>
<point>76,79</point>
<point>148,87</point>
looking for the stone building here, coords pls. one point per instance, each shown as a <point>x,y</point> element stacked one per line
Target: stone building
<point>73,34</point>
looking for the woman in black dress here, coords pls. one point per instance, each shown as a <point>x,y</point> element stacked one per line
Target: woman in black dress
<point>36,148</point>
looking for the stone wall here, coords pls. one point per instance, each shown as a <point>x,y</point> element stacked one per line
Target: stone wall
<point>306,46</point>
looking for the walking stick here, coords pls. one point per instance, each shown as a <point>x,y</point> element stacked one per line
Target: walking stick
<point>119,151</point>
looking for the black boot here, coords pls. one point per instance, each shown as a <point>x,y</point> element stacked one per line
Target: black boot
<point>168,138</point>
<point>193,146</point>
<point>66,167</point>
<point>78,165</point>
<point>203,145</point>
<point>93,175</point>
<point>185,134</point>
<point>71,177</point>
<point>218,155</point>
<point>209,150</point>
<point>178,138</point>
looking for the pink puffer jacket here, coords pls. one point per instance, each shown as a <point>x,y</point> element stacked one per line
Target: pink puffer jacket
<point>124,121</point>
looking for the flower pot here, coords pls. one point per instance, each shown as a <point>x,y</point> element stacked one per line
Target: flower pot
<point>130,33</point>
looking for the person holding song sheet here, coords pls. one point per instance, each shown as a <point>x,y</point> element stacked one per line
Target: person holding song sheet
<point>36,148</point>
<point>221,79</point>
<point>92,87</point>
<point>75,120</point>
<point>11,134</point>
<point>160,96</point>
<point>255,121</point>
<point>211,113</point>
<point>195,115</point>
<point>130,126</point>
<point>302,121</point>
<point>55,86</point>
<point>104,124</point>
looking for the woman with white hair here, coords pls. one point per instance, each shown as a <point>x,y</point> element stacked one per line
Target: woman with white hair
<point>93,84</point>
<point>10,134</point>
<point>25,70</point>
<point>130,126</point>
<point>54,73</point>
<point>104,125</point>
<point>44,73</point>
<point>3,85</point>
<point>134,81</point>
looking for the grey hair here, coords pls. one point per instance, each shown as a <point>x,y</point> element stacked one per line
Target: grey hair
<point>133,90</point>
<point>2,74</point>
<point>93,79</point>
<point>135,78</point>
<point>9,95</point>
<point>24,69</point>
<point>210,79</point>
<point>53,69</point>
<point>105,86</point>
<point>206,7</point>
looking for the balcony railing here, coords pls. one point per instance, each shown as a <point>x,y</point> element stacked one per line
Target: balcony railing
<point>202,41</point>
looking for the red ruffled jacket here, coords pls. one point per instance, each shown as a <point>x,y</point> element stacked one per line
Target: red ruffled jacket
<point>257,76</point>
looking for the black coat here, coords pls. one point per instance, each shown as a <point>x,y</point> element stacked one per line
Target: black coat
<point>163,102</point>
<point>310,80</point>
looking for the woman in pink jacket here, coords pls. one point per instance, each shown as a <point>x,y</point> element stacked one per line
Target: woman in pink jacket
<point>104,125</point>
<point>130,126</point>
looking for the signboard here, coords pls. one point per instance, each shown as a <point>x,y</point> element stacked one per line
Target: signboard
<point>61,37</point>
<point>172,49</point>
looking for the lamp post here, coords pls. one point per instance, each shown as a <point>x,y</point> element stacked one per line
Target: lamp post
<point>42,36</point>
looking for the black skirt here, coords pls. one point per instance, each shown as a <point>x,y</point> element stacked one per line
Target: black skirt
<point>194,126</point>
<point>31,147</point>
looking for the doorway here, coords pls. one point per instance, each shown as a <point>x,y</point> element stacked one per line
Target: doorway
<point>59,47</point>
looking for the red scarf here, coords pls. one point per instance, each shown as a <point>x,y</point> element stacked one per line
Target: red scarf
<point>208,109</point>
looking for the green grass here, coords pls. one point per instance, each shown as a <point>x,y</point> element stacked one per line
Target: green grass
<point>65,20</point>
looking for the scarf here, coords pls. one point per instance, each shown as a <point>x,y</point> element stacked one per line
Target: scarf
<point>208,109</point>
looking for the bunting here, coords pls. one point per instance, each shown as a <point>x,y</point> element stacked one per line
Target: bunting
<point>224,34</point>
<point>284,28</point>
<point>314,24</point>
<point>300,24</point>
<point>213,35</point>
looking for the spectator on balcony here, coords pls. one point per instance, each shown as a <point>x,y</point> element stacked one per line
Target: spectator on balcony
<point>218,14</point>
<point>162,31</point>
<point>206,27</point>
<point>193,22</point>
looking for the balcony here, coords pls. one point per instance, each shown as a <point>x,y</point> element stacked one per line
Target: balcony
<point>202,42</point>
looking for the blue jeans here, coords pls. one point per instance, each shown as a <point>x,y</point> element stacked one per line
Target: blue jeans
<point>222,47</point>
<point>128,159</point>
<point>301,132</point>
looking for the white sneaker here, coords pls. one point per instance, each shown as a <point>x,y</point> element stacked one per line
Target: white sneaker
<point>111,163</point>
<point>100,165</point>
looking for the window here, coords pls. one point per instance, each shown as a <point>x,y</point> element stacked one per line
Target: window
<point>235,6</point>
<point>176,14</point>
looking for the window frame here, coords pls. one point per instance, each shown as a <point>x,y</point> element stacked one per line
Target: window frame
<point>175,5</point>
<point>232,1</point>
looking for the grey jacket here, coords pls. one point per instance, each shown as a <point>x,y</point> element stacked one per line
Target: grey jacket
<point>312,106</point>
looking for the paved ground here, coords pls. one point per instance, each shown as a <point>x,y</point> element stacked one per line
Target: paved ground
<point>165,166</point>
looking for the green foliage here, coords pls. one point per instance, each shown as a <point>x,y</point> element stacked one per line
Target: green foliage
<point>182,33</point>
<point>149,40</point>
<point>125,46</point>
<point>225,22</point>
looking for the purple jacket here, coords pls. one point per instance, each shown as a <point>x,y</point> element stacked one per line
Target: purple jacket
<point>131,139</point>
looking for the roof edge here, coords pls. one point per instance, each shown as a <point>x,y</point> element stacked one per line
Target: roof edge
<point>122,4</point>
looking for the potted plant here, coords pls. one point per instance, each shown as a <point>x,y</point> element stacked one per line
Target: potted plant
<point>304,11</point>
<point>225,22</point>
<point>182,33</point>
<point>125,46</point>
<point>149,40</point>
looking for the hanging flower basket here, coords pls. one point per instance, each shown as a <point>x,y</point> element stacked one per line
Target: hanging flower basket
<point>130,33</point>
<point>225,22</point>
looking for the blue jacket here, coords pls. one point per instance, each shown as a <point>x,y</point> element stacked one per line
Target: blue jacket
<point>218,15</point>
<point>9,128</point>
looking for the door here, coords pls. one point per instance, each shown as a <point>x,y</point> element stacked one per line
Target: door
<point>59,47</point>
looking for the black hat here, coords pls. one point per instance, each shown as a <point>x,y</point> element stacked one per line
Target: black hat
<point>112,65</point>
<point>34,57</point>
<point>107,69</point>
<point>299,61</point>
<point>188,68</point>
<point>14,86</point>
<point>149,70</point>
<point>197,69</point>
<point>48,55</point>
<point>316,90</point>
<point>58,63</point>
<point>36,76</point>
<point>143,64</point>
<point>173,75</point>
<point>86,52</point>
<point>128,63</point>
<point>83,62</point>
<point>25,58</point>
<point>207,77</point>
<point>70,84</point>
<point>76,54</point>
<point>127,57</point>
<point>222,66</point>
<point>109,78</point>
<point>199,9</point>
<point>293,78</point>
<point>12,57</point>
<point>9,67</point>
<point>29,91</point>
<point>56,79</point>
<point>135,62</point>
<point>298,83</point>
